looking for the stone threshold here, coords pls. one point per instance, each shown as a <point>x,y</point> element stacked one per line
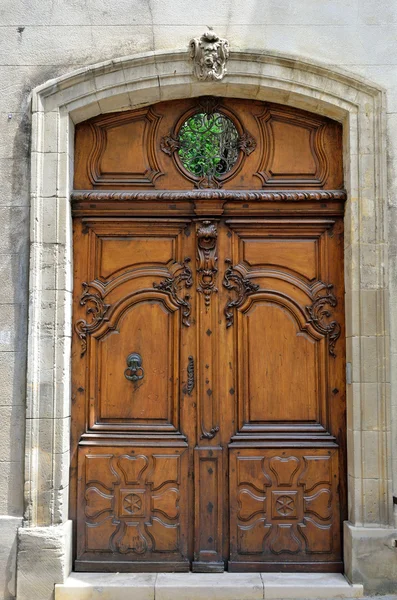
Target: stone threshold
<point>205,586</point>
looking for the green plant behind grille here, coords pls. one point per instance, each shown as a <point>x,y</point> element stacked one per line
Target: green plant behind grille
<point>208,145</point>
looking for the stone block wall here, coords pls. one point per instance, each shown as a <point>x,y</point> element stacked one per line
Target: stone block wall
<point>43,39</point>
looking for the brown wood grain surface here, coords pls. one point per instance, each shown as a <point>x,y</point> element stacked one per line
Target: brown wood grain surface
<point>224,445</point>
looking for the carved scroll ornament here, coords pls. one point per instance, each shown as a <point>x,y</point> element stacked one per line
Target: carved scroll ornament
<point>319,317</point>
<point>209,435</point>
<point>233,280</point>
<point>169,144</point>
<point>172,285</point>
<point>206,260</point>
<point>246,143</point>
<point>96,309</point>
<point>209,54</point>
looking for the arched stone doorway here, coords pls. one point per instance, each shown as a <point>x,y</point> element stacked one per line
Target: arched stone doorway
<point>136,81</point>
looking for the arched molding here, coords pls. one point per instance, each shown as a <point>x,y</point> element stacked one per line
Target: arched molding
<point>140,80</point>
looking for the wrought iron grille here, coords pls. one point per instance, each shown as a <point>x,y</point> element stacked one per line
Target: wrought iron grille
<point>208,145</point>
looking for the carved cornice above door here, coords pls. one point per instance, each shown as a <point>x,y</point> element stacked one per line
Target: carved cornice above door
<point>207,203</point>
<point>225,195</point>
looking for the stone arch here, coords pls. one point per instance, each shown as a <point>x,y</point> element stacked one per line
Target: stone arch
<point>135,81</point>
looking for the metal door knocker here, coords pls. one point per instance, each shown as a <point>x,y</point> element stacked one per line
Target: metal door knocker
<point>134,370</point>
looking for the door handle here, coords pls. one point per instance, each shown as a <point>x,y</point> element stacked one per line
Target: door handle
<point>134,370</point>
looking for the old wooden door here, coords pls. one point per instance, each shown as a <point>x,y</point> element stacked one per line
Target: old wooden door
<point>208,351</point>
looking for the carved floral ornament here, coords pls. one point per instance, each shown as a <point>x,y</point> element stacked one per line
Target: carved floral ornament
<point>206,260</point>
<point>209,54</point>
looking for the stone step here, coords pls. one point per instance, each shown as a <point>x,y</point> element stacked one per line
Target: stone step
<point>205,586</point>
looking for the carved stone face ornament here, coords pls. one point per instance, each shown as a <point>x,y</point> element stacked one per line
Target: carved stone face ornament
<point>209,54</point>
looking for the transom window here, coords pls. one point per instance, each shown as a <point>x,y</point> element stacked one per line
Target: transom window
<point>208,144</point>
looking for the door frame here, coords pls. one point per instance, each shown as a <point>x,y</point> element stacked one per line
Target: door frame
<point>144,79</point>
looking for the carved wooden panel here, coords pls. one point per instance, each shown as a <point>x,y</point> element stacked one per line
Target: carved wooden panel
<point>270,396</point>
<point>277,297</point>
<point>138,298</point>
<point>282,354</point>
<point>294,149</point>
<point>275,147</point>
<point>284,509</point>
<point>132,508</point>
<point>119,149</point>
<point>209,507</point>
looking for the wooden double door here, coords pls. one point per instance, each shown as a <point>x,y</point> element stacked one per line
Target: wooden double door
<point>208,398</point>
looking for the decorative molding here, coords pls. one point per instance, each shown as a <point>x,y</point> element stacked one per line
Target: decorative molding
<point>202,194</point>
<point>101,145</point>
<point>319,316</point>
<point>207,235</point>
<point>148,516</point>
<point>171,285</point>
<point>247,143</point>
<point>209,104</point>
<point>97,311</point>
<point>300,519</point>
<point>208,183</point>
<point>209,435</point>
<point>190,376</point>
<point>209,54</point>
<point>169,144</point>
<point>315,128</point>
<point>233,280</point>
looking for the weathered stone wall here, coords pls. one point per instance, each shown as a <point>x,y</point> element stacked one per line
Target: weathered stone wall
<point>42,39</point>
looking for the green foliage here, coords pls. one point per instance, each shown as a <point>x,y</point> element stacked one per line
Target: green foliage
<point>205,143</point>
